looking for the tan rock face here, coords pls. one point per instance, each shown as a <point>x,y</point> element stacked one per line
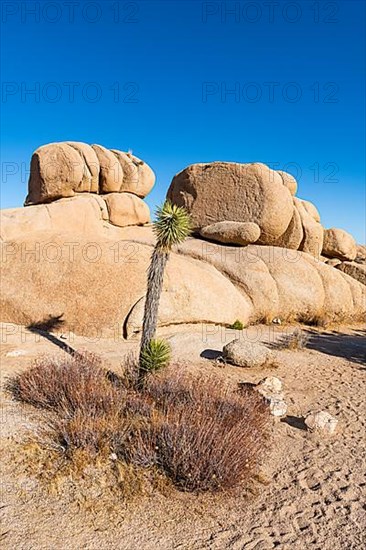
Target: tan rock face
<point>84,212</point>
<point>313,236</point>
<point>138,178</point>
<point>57,171</point>
<point>294,234</point>
<point>98,282</point>
<point>289,181</point>
<point>126,209</point>
<point>242,233</point>
<point>111,172</point>
<point>311,210</point>
<point>60,170</point>
<point>355,270</point>
<point>91,165</point>
<point>339,244</point>
<point>223,191</point>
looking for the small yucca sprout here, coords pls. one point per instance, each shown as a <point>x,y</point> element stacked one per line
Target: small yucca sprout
<point>155,356</point>
<point>172,225</point>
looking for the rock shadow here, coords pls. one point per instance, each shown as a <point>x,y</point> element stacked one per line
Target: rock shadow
<point>212,354</point>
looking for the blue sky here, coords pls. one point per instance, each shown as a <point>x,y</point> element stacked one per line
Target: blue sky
<point>180,82</point>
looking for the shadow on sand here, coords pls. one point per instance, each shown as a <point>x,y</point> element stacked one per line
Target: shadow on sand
<point>349,346</point>
<point>44,328</point>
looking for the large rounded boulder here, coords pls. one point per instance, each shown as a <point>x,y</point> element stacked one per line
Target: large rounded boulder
<point>62,170</point>
<point>222,191</point>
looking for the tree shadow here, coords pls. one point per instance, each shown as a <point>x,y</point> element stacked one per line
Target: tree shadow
<point>44,328</point>
<point>349,346</point>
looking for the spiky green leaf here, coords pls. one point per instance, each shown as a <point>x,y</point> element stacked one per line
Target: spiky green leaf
<point>155,356</point>
<point>172,225</point>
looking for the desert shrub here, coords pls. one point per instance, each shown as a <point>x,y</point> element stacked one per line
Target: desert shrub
<point>155,356</point>
<point>237,325</point>
<point>207,436</point>
<point>87,410</point>
<point>197,432</point>
<point>297,340</point>
<point>66,384</point>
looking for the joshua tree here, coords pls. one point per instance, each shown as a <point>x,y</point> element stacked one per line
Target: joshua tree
<point>171,227</point>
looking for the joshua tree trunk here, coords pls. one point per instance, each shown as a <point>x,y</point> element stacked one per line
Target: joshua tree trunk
<point>155,279</point>
<point>171,227</point>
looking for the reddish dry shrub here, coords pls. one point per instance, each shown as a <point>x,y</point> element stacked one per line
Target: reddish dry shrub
<point>88,410</point>
<point>207,436</point>
<point>199,432</point>
<point>66,384</point>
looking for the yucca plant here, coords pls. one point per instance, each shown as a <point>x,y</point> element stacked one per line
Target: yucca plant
<point>171,227</point>
<point>155,356</point>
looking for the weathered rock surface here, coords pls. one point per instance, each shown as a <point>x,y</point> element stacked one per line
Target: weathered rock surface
<point>242,233</point>
<point>243,353</point>
<point>311,210</point>
<point>61,170</point>
<point>313,232</point>
<point>76,215</point>
<point>57,171</point>
<point>288,181</point>
<point>353,269</point>
<point>111,171</point>
<point>126,209</point>
<point>138,177</point>
<point>361,254</point>
<point>222,191</point>
<point>339,244</point>
<point>294,234</point>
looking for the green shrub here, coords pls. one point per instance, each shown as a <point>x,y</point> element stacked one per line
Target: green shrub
<point>155,356</point>
<point>237,325</point>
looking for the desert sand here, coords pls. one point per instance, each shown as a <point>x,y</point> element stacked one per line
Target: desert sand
<point>311,491</point>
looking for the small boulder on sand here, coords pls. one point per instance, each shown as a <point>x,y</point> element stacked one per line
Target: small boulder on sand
<point>246,354</point>
<point>321,421</point>
<point>271,389</point>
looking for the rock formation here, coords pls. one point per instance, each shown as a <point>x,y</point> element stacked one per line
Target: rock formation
<point>69,169</point>
<point>78,256</point>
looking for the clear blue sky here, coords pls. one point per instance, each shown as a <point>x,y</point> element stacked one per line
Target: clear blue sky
<point>155,77</point>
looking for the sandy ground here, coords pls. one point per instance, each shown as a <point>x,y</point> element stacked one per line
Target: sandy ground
<point>315,493</point>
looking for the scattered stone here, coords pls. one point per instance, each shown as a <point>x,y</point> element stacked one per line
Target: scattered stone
<point>321,421</point>
<point>246,354</point>
<point>277,405</point>
<point>276,321</point>
<point>270,384</point>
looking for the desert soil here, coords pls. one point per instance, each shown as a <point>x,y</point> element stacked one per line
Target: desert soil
<point>311,492</point>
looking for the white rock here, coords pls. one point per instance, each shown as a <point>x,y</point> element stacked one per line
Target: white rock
<point>321,421</point>
<point>277,405</point>
<point>277,321</point>
<point>270,384</point>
